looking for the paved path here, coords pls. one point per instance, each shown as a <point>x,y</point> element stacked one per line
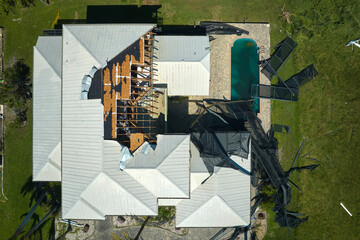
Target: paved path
<point>104,230</point>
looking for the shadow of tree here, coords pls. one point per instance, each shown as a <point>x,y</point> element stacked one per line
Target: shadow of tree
<point>46,194</point>
<point>33,188</point>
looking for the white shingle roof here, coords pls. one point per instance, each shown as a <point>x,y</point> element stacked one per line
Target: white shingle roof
<point>47,109</point>
<point>183,63</point>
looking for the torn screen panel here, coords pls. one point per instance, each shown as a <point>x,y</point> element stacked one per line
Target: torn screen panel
<point>216,147</point>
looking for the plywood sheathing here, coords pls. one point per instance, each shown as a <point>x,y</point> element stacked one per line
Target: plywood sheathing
<point>136,140</point>
<point>119,85</point>
<point>125,79</point>
<point>107,93</point>
<point>141,60</point>
<point>109,101</point>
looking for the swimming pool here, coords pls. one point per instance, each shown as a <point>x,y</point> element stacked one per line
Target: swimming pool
<point>244,70</point>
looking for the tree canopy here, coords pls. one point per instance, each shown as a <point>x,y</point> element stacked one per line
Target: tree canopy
<point>16,89</point>
<point>6,6</point>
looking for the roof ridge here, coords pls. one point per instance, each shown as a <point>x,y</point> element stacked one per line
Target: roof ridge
<point>46,165</point>
<point>206,202</point>
<point>197,208</point>
<point>222,199</point>
<point>159,166</point>
<point>46,60</point>
<point>120,51</point>
<point>90,206</point>
<point>202,63</point>
<point>51,160</point>
<point>82,44</point>
<point>130,44</point>
<point>167,156</point>
<point>174,184</point>
<point>53,164</point>
<point>127,190</point>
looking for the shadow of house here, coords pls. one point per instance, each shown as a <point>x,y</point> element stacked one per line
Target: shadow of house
<point>106,14</point>
<point>184,30</point>
<point>132,14</point>
<point>116,14</point>
<point>123,14</point>
<point>179,120</point>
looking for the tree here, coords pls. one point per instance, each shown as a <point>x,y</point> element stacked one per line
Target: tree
<point>16,88</point>
<point>6,6</point>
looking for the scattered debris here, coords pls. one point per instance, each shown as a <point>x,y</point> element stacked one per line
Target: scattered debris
<point>220,28</point>
<point>351,133</point>
<point>337,130</point>
<point>281,128</point>
<point>285,14</point>
<point>346,209</point>
<point>86,228</point>
<point>236,116</point>
<point>352,43</point>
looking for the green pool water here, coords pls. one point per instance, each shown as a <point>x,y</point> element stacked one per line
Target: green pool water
<point>244,70</point>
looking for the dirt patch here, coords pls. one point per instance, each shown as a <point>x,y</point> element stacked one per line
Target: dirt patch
<point>260,224</point>
<point>77,232</point>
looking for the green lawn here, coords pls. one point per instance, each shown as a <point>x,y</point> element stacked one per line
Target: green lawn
<point>321,28</point>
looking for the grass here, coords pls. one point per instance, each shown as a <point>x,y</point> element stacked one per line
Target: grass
<point>321,28</point>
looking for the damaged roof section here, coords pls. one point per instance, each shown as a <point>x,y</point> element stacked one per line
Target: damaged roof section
<point>132,106</point>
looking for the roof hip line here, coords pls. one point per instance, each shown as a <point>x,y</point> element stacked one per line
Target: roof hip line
<point>88,50</point>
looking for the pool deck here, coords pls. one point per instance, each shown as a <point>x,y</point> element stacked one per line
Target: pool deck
<point>220,66</point>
